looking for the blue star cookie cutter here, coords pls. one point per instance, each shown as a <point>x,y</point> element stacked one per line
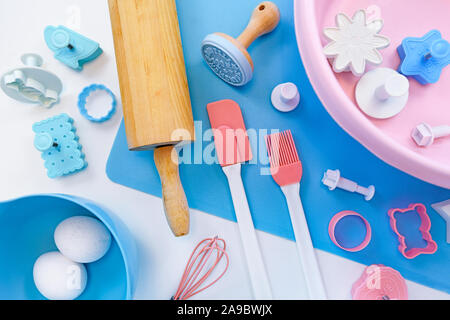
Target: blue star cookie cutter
<point>57,140</point>
<point>70,47</point>
<point>82,100</point>
<point>424,58</point>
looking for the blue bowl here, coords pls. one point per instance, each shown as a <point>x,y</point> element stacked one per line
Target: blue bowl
<point>26,232</point>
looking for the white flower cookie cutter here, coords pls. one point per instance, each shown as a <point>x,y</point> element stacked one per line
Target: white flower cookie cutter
<point>355,42</point>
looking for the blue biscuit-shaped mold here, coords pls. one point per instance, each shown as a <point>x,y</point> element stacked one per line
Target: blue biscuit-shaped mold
<point>57,140</point>
<point>70,47</point>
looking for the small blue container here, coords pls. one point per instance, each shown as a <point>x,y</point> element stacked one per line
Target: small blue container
<point>27,226</point>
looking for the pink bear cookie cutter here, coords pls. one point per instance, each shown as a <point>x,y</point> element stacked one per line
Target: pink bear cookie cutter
<point>424,229</point>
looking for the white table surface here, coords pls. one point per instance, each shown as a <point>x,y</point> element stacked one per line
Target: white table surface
<point>162,257</point>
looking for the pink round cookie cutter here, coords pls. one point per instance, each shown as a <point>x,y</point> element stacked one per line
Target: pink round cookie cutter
<point>338,217</point>
<point>390,140</point>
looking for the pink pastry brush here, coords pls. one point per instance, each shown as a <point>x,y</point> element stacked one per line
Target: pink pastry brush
<point>286,170</point>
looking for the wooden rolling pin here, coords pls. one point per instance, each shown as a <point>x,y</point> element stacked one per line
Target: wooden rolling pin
<point>155,94</point>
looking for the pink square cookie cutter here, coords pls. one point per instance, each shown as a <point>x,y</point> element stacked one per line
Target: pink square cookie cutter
<point>424,229</point>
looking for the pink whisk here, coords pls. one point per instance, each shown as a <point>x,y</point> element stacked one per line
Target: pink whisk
<point>201,264</point>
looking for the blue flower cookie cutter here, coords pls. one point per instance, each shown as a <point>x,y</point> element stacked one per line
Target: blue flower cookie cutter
<point>82,100</point>
<point>57,140</point>
<point>424,58</point>
<point>70,47</point>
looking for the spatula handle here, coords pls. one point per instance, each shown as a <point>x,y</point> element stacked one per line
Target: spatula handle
<point>255,263</point>
<point>174,198</point>
<point>316,289</point>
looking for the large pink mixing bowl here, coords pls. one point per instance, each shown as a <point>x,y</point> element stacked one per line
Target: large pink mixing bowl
<point>388,139</point>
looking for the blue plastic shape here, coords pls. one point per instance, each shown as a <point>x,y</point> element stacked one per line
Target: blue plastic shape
<point>57,140</point>
<point>424,58</point>
<point>26,231</point>
<point>70,47</point>
<point>82,99</point>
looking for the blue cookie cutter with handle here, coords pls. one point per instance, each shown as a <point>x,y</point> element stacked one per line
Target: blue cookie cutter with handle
<point>424,58</point>
<point>71,48</point>
<point>57,140</point>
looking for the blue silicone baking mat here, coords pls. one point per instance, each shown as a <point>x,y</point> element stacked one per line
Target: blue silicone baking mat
<point>322,145</point>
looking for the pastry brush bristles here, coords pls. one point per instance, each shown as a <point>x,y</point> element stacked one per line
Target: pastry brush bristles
<point>281,149</point>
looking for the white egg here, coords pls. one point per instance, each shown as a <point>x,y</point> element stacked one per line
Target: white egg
<point>59,278</point>
<point>82,239</point>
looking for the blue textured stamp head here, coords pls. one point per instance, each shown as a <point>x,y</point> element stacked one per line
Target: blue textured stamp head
<point>57,140</point>
<point>227,60</point>
<point>424,58</point>
<point>70,47</point>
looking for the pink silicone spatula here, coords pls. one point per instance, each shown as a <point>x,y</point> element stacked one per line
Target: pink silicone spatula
<point>233,148</point>
<point>286,170</point>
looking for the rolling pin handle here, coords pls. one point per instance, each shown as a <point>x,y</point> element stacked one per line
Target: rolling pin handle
<point>174,198</point>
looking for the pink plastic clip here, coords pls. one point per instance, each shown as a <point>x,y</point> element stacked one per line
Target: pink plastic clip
<point>424,230</point>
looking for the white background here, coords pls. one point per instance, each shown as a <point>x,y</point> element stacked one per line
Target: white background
<point>162,257</point>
